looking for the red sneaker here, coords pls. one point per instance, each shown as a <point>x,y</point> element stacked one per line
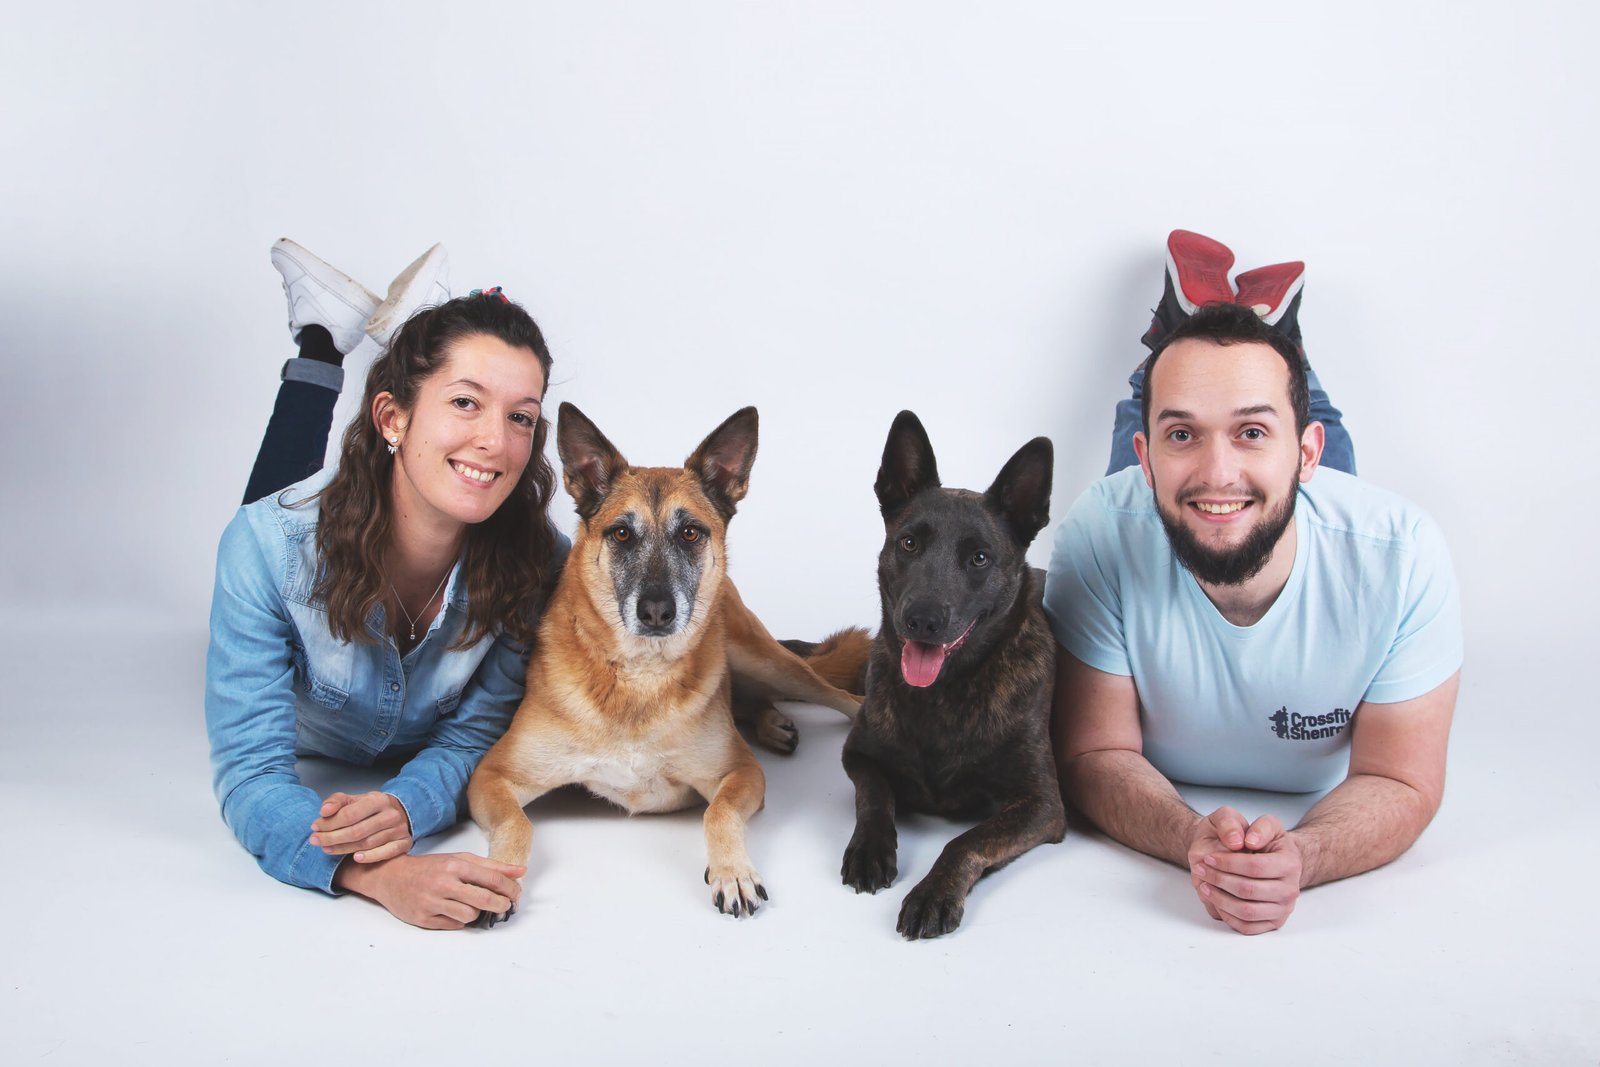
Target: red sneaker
<point>1197,266</point>
<point>1268,291</point>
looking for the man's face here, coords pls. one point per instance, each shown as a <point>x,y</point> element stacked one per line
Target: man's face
<point>1223,458</point>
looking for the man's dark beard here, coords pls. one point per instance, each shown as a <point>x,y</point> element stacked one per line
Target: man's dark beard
<point>1232,566</point>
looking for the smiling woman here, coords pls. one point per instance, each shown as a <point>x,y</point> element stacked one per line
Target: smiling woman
<point>380,613</point>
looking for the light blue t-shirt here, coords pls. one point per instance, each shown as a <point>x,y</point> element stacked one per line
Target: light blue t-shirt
<point>1370,612</point>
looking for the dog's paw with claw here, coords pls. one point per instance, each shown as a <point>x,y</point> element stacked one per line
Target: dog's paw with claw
<point>930,911</point>
<point>734,890</point>
<point>486,920</point>
<point>869,862</point>
<point>776,730</point>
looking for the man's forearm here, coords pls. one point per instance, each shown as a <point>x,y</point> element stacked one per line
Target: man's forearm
<point>1131,801</point>
<point>1365,822</point>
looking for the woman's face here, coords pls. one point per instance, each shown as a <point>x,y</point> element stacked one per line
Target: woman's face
<point>469,436</point>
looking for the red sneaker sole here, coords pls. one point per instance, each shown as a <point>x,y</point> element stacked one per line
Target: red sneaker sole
<point>1200,266</point>
<point>1268,291</point>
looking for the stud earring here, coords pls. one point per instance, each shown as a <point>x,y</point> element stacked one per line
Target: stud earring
<point>394,443</point>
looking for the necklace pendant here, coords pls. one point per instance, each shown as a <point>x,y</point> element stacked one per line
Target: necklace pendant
<point>413,633</point>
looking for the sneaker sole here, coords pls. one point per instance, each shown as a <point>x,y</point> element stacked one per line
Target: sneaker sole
<point>1199,268</point>
<point>384,319</point>
<point>1268,291</point>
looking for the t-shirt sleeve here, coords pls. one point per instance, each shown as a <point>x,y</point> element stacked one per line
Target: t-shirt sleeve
<point>1082,591</point>
<point>1427,646</point>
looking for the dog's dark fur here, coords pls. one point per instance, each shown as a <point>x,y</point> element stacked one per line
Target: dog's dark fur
<point>974,741</point>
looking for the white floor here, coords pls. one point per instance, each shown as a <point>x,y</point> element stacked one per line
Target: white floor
<point>138,932</point>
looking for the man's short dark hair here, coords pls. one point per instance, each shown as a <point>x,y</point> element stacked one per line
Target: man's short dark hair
<point>1234,324</point>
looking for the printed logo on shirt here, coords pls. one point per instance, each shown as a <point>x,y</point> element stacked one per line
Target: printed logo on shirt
<point>1292,726</point>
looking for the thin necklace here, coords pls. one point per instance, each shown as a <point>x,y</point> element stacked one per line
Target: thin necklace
<point>425,607</point>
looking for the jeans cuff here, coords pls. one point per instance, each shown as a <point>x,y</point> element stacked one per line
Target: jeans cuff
<point>314,372</point>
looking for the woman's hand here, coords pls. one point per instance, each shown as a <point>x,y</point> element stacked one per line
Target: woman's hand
<point>368,828</point>
<point>436,892</point>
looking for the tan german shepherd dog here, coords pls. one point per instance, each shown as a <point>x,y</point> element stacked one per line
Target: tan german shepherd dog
<point>644,652</point>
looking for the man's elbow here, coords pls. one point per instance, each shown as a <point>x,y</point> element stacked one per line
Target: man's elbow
<point>1418,797</point>
<point>1083,772</point>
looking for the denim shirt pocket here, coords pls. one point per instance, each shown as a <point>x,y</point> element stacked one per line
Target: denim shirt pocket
<point>318,708</point>
<point>450,701</point>
<point>329,697</point>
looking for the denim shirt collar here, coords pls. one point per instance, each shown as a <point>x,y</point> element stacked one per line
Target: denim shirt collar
<point>297,510</point>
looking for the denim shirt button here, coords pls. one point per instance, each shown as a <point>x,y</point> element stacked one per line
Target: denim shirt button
<point>394,687</point>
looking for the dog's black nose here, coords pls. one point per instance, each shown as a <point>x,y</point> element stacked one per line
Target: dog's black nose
<point>657,613</point>
<point>924,622</point>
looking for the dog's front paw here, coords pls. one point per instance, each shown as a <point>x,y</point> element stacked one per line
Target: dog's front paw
<point>869,863</point>
<point>734,889</point>
<point>930,911</point>
<point>486,920</point>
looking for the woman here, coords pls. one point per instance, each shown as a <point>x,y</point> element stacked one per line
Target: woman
<point>380,612</point>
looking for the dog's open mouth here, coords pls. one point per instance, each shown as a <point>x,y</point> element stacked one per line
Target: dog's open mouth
<point>920,660</point>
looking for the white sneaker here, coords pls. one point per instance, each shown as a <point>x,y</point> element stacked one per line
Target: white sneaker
<point>423,284</point>
<point>319,295</point>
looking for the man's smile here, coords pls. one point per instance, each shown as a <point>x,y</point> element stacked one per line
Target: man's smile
<point>1219,511</point>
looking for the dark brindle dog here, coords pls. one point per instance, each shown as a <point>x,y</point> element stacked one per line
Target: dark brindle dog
<point>957,713</point>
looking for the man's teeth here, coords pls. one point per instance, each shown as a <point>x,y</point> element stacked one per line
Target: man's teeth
<point>475,475</point>
<point>1218,509</point>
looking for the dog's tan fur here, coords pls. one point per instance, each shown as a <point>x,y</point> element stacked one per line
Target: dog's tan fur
<point>646,722</point>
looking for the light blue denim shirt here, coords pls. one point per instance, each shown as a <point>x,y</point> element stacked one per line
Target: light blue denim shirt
<point>279,685</point>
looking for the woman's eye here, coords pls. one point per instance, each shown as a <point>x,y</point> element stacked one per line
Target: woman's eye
<point>464,403</point>
<point>522,418</point>
<point>690,534</point>
<point>980,559</point>
<point>621,534</point>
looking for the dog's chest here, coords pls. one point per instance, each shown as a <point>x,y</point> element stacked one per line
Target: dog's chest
<point>948,771</point>
<point>948,785</point>
<point>636,777</point>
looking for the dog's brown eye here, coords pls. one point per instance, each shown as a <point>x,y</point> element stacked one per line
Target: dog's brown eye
<point>908,543</point>
<point>690,534</point>
<point>980,559</point>
<point>621,534</point>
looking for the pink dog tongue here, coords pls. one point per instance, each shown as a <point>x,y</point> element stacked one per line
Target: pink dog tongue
<point>920,663</point>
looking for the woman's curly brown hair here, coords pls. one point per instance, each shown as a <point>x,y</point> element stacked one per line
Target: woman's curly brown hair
<point>508,559</point>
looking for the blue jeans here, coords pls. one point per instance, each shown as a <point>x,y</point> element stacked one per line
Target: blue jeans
<point>1337,450</point>
<point>297,434</point>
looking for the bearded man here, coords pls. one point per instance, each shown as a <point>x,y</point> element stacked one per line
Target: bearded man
<point>1239,610</point>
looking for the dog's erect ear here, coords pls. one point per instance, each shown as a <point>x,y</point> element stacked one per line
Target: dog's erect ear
<point>589,463</point>
<point>908,465</point>
<point>1021,491</point>
<point>724,458</point>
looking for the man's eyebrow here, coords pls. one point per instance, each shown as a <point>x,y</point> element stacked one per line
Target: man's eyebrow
<point>1171,414</point>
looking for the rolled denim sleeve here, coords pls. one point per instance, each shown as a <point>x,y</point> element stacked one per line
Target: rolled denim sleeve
<point>432,786</point>
<point>250,717</point>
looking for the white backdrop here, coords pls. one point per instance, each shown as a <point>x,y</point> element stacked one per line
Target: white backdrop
<point>832,211</point>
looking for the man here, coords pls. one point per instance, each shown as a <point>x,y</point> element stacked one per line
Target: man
<point>1233,613</point>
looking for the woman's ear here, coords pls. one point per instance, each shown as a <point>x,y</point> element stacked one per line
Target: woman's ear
<point>389,419</point>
